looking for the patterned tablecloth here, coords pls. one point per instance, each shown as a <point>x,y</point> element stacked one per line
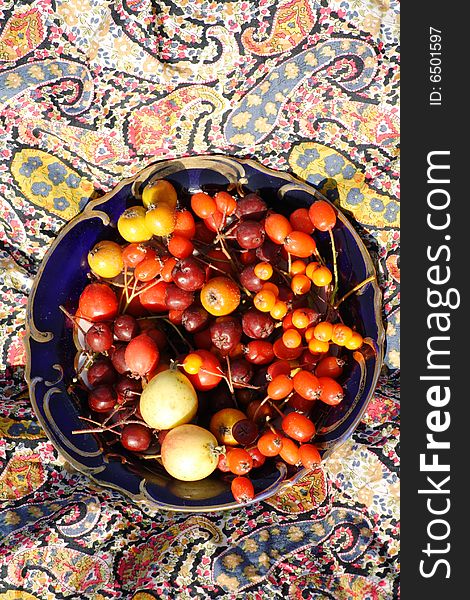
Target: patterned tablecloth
<point>92,91</point>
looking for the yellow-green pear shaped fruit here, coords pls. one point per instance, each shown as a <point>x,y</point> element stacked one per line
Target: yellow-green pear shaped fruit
<point>189,453</point>
<point>168,400</point>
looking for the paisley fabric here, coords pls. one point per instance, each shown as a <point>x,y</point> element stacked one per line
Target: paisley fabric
<point>92,91</point>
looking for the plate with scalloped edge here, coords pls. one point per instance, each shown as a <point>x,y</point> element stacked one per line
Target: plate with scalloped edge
<point>51,348</point>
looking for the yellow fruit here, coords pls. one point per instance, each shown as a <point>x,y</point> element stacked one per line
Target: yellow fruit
<point>131,225</point>
<point>105,259</point>
<point>168,400</point>
<point>159,191</point>
<point>220,296</point>
<point>161,219</point>
<point>222,422</point>
<point>189,453</point>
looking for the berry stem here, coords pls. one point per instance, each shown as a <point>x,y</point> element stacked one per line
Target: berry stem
<point>115,411</point>
<point>143,289</point>
<point>180,334</point>
<point>74,319</point>
<point>285,401</point>
<point>355,289</point>
<point>283,274</point>
<point>270,426</point>
<point>335,265</point>
<point>101,428</point>
<point>212,266</point>
<point>126,283</point>
<point>88,362</point>
<point>150,456</point>
<point>229,378</point>
<point>231,228</point>
<point>318,256</point>
<point>277,409</point>
<point>263,401</point>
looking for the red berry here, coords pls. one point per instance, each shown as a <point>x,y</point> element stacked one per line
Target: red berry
<point>99,337</point>
<point>331,391</point>
<point>98,302</point>
<point>307,385</point>
<point>136,437</point>
<point>259,352</point>
<point>329,366</point>
<point>309,456</point>
<point>258,458</point>
<point>297,426</point>
<point>239,461</point>
<point>270,444</point>
<point>102,399</point>
<point>322,215</point>
<point>222,463</point>
<point>208,376</point>
<point>141,354</point>
<point>242,489</point>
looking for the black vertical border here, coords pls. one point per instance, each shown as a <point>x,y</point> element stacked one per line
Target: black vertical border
<point>426,128</point>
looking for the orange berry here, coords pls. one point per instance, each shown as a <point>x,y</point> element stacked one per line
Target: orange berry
<point>263,271</point>
<point>292,338</point>
<point>271,287</point>
<point>300,318</point>
<point>280,387</point>
<point>300,244</point>
<point>318,347</point>
<point>180,246</point>
<point>300,284</point>
<point>309,333</point>
<point>185,225</point>
<point>215,222</point>
<point>168,266</point>
<point>309,456</point>
<point>341,334</point>
<point>300,221</point>
<point>277,227</point>
<point>148,269</point>
<point>192,363</point>
<point>264,300</point>
<point>225,203</point>
<point>323,331</point>
<point>289,451</point>
<point>203,205</point>
<point>279,310</point>
<point>297,267</point>
<point>322,215</point>
<point>322,276</point>
<point>311,268</point>
<point>355,341</point>
<point>220,296</point>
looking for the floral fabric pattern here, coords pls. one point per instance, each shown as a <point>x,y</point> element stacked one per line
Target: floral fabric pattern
<point>91,92</point>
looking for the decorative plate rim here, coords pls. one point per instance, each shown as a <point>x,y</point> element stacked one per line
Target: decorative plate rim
<point>31,332</point>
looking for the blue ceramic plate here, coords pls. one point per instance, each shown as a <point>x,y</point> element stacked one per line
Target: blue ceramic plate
<point>51,348</point>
